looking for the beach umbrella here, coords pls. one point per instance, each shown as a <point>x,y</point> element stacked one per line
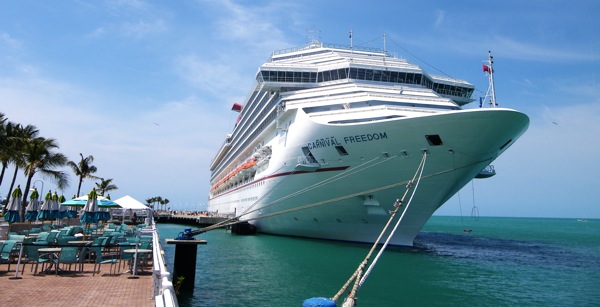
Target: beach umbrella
<point>103,214</point>
<point>104,203</point>
<point>12,210</point>
<point>71,211</point>
<point>62,209</point>
<point>31,212</point>
<point>55,207</point>
<point>81,201</point>
<point>89,215</point>
<point>45,210</point>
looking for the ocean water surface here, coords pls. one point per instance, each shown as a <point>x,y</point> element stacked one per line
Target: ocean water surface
<point>501,262</point>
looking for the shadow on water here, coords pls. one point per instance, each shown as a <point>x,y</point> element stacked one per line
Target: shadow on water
<point>501,250</point>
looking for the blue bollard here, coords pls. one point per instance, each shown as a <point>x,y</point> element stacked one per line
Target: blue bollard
<point>318,302</point>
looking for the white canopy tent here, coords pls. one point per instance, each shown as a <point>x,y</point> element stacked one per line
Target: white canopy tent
<point>128,202</point>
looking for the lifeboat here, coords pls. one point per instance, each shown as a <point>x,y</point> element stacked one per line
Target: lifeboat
<point>237,173</point>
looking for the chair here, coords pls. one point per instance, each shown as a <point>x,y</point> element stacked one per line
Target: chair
<point>33,256</point>
<point>145,245</point>
<point>100,260</point>
<point>1,248</point>
<point>35,230</point>
<point>7,254</point>
<point>143,258</point>
<point>15,237</point>
<point>68,255</point>
<point>63,240</point>
<point>125,257</point>
<point>97,245</point>
<point>51,238</point>
<point>117,238</point>
<point>42,237</point>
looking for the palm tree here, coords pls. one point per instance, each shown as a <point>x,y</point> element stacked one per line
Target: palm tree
<point>105,186</point>
<point>158,200</point>
<point>17,139</point>
<point>164,202</point>
<point>3,145</point>
<point>83,169</point>
<point>149,201</point>
<point>38,156</point>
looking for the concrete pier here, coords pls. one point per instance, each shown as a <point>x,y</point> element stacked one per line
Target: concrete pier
<point>192,220</point>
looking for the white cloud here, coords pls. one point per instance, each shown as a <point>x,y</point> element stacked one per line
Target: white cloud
<point>440,15</point>
<point>512,48</point>
<point>6,41</point>
<point>142,28</point>
<point>130,19</point>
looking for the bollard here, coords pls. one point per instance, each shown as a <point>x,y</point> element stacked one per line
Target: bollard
<point>184,264</point>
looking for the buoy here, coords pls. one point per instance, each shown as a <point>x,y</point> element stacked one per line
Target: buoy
<point>318,302</point>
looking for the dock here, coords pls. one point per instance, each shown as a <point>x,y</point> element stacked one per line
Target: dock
<point>188,219</point>
<point>150,286</point>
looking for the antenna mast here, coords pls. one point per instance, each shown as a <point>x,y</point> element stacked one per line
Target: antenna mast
<point>314,35</point>
<point>491,92</point>
<point>384,47</point>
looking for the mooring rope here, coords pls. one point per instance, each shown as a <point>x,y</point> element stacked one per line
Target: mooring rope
<point>372,265</point>
<point>357,276</point>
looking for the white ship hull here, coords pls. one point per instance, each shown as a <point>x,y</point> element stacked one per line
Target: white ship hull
<point>377,168</point>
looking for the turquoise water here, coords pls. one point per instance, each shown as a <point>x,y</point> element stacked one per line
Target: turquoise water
<point>502,262</point>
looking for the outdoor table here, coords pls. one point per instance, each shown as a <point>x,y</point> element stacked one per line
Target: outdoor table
<point>134,251</point>
<point>53,253</point>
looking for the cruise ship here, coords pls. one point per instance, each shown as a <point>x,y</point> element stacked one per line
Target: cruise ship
<point>330,138</point>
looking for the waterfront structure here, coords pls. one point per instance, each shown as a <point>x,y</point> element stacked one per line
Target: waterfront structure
<point>329,137</point>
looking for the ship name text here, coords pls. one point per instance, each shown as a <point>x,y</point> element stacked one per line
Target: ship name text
<point>365,137</point>
<point>332,141</point>
<point>326,142</point>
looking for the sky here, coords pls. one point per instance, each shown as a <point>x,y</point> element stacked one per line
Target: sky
<point>146,87</point>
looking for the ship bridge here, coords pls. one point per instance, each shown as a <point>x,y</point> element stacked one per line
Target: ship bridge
<point>321,64</point>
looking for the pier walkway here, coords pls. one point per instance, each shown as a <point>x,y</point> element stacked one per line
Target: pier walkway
<point>75,288</point>
<point>72,287</point>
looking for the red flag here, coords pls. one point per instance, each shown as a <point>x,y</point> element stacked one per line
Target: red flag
<point>237,107</point>
<point>486,68</point>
